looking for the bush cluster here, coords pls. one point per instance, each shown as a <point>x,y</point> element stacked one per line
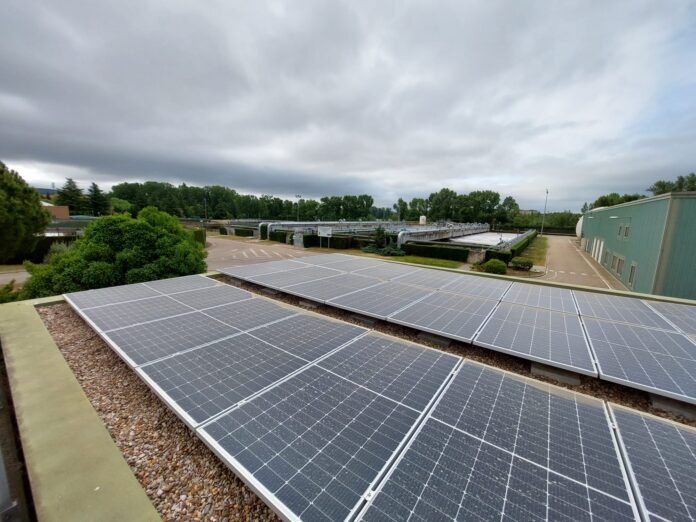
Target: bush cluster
<point>263,231</point>
<point>502,255</point>
<point>223,231</point>
<point>277,235</point>
<point>117,250</point>
<point>244,232</point>
<point>521,263</point>
<point>199,236</point>
<point>518,248</point>
<point>494,266</point>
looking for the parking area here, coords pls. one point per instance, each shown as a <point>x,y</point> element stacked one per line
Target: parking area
<point>567,263</point>
<point>224,251</point>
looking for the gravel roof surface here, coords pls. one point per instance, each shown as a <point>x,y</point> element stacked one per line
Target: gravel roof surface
<point>182,477</point>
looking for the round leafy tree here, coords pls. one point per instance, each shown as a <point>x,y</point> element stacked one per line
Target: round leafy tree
<point>21,216</point>
<point>116,250</point>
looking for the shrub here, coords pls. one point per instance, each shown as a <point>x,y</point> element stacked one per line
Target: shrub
<point>371,249</point>
<point>263,232</point>
<point>310,240</point>
<point>503,255</point>
<point>436,251</point>
<point>199,235</point>
<point>243,232</point>
<point>117,250</point>
<point>341,242</point>
<point>495,266</point>
<point>518,248</point>
<point>391,250</point>
<point>223,231</point>
<point>521,263</point>
<point>380,237</point>
<point>277,235</point>
<point>8,293</point>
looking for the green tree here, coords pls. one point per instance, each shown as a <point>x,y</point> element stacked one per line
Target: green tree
<point>585,208</point>
<point>401,209</point>
<point>120,206</point>
<point>507,210</point>
<point>71,196</point>
<point>442,205</point>
<point>609,200</point>
<point>21,215</point>
<point>116,250</point>
<point>97,201</point>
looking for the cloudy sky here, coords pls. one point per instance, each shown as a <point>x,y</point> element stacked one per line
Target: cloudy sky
<point>391,98</point>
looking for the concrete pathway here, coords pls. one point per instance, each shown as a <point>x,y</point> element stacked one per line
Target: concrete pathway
<point>566,263</point>
<point>19,277</point>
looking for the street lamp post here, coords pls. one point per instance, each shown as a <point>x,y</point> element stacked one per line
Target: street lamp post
<point>298,196</point>
<point>543,217</point>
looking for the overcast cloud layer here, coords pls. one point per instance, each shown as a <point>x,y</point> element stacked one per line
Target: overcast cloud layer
<point>394,99</point>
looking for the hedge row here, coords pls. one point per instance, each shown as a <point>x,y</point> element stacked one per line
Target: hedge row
<point>199,235</point>
<point>43,245</point>
<point>223,231</point>
<point>503,255</point>
<point>518,248</point>
<point>263,232</point>
<point>244,232</point>
<point>436,251</point>
<point>277,235</point>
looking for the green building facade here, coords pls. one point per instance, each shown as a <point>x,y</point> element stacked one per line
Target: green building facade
<point>649,244</point>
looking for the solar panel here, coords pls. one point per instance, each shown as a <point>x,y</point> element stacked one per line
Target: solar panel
<point>661,458</point>
<point>113,295</point>
<point>619,309</point>
<point>149,341</point>
<point>501,447</point>
<point>133,312</point>
<point>404,372</point>
<point>269,267</point>
<point>325,259</point>
<point>428,278</point>
<point>204,382</point>
<point>450,315</point>
<point>652,360</point>
<point>181,284</point>
<point>312,445</point>
<point>557,299</point>
<point>387,271</point>
<point>308,336</point>
<point>381,300</point>
<point>329,288</point>
<point>251,313</point>
<point>540,335</point>
<point>293,277</point>
<point>213,296</point>
<point>478,286</point>
<point>354,263</point>
<point>681,315</point>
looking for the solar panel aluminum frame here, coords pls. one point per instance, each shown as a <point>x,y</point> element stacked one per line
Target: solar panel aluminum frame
<point>676,327</point>
<point>620,452</point>
<point>270,499</point>
<point>441,333</point>
<point>635,488</point>
<point>541,360</point>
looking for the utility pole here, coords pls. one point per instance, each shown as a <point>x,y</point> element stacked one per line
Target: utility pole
<point>298,196</point>
<point>543,217</point>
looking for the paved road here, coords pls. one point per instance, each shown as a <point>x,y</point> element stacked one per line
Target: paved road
<point>229,252</point>
<point>19,276</point>
<point>568,264</point>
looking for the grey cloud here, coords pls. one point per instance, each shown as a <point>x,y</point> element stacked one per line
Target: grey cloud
<point>387,98</point>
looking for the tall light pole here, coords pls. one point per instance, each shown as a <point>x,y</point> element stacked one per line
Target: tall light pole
<point>298,196</point>
<point>543,217</point>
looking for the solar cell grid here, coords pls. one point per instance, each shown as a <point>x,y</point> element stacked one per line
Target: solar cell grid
<point>146,342</point>
<point>134,312</point>
<point>450,315</point>
<point>113,295</point>
<point>206,381</point>
<point>181,284</point>
<point>269,267</point>
<point>428,278</point>
<point>315,442</point>
<point>251,313</point>
<point>293,277</point>
<point>308,336</point>
<point>352,264</point>
<point>382,300</point>
<point>387,271</point>
<point>325,259</point>
<point>653,360</point>
<point>331,287</point>
<point>501,447</point>
<point>401,371</point>
<point>557,299</point>
<point>478,286</point>
<point>661,457</point>
<point>546,336</point>
<point>619,309</point>
<point>681,315</point>
<point>213,296</point>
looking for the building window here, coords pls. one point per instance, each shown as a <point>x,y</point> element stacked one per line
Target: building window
<point>632,275</point>
<point>619,267</point>
<point>626,231</point>
<point>605,257</point>
<point>614,260</point>
<point>620,230</point>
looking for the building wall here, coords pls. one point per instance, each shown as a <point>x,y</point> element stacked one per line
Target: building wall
<point>677,274</point>
<point>605,234</point>
<point>58,211</point>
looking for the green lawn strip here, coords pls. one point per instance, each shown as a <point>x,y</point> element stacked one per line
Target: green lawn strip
<point>536,251</point>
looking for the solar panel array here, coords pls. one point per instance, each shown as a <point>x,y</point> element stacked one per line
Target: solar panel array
<point>327,421</point>
<point>647,345</point>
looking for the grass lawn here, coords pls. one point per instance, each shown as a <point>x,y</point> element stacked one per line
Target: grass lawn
<point>536,251</point>
<point>11,268</point>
